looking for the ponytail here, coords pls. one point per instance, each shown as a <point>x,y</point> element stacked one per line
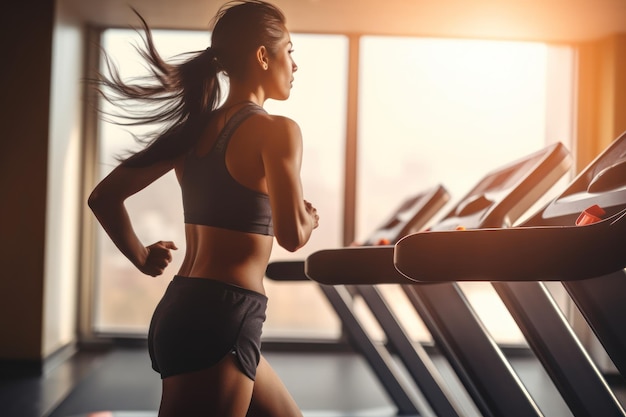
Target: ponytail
<point>199,82</point>
<point>181,96</point>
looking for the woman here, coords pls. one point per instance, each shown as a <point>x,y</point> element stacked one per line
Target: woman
<point>239,172</point>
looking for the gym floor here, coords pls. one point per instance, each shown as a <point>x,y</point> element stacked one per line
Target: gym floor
<point>325,384</point>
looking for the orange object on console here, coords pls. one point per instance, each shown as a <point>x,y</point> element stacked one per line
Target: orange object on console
<point>590,215</point>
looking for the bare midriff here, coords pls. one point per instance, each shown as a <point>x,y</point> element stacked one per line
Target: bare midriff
<point>236,258</point>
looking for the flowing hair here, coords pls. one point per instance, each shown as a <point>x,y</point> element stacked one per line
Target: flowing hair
<point>182,95</point>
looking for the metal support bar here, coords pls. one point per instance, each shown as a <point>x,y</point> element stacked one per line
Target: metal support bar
<point>378,358</point>
<point>480,364</point>
<point>413,356</point>
<point>552,339</point>
<point>601,302</point>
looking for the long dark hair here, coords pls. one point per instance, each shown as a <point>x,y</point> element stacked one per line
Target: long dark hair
<point>183,95</point>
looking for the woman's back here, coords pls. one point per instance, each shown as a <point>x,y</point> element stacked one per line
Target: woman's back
<point>228,219</point>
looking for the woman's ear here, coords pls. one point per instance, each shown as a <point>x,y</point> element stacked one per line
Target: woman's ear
<point>262,57</point>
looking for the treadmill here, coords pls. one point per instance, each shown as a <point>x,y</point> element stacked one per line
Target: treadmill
<point>580,239</point>
<point>411,216</point>
<point>496,201</point>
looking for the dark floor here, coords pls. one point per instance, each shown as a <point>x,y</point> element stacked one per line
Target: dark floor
<point>324,385</point>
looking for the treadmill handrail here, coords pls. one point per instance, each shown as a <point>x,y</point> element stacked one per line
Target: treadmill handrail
<point>515,254</point>
<point>410,216</point>
<point>362,265</point>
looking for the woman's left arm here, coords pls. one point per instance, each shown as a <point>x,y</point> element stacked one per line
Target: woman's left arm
<point>107,203</point>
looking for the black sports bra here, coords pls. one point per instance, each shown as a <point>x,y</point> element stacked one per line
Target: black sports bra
<point>212,197</point>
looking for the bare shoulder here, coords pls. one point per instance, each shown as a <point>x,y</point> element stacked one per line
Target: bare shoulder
<point>276,126</point>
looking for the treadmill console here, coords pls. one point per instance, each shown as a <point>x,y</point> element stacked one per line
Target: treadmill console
<point>602,183</point>
<point>503,195</point>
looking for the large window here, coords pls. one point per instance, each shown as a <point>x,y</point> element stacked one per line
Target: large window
<point>430,111</point>
<point>435,111</point>
<point>125,298</point>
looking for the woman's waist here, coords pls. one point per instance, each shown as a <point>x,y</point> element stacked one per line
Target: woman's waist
<point>204,233</point>
<point>234,257</point>
<point>245,276</point>
<point>216,243</point>
<point>202,284</point>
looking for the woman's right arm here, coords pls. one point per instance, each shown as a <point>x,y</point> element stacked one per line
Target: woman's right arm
<point>294,218</point>
<point>107,203</point>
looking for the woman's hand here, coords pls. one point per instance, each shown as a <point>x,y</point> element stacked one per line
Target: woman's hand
<point>158,257</point>
<point>313,213</point>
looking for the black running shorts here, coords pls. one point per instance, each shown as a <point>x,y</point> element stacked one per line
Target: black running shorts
<point>200,321</point>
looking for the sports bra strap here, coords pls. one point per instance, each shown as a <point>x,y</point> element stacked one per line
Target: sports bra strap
<point>233,123</point>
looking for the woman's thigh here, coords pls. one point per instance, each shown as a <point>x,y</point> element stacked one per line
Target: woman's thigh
<point>270,397</point>
<point>222,390</point>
